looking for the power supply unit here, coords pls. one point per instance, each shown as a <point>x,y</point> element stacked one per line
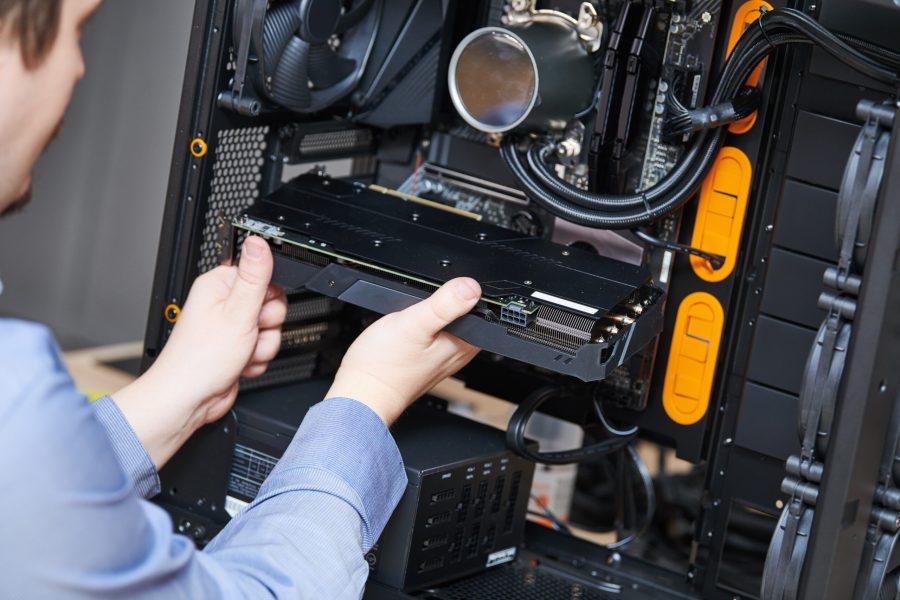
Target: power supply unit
<point>464,506</point>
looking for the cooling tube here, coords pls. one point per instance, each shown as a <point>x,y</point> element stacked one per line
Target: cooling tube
<point>777,28</point>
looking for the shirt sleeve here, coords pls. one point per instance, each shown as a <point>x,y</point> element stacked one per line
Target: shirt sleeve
<point>80,531</point>
<point>128,449</point>
<point>330,495</point>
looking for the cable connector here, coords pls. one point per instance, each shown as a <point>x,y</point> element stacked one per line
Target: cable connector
<point>716,261</point>
<point>718,115</point>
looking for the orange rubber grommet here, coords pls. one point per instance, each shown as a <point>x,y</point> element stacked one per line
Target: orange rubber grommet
<point>171,313</point>
<point>198,148</point>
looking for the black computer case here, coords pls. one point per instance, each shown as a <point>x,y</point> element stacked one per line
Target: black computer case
<point>835,516</point>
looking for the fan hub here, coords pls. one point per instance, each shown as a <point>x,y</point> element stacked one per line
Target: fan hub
<point>318,20</point>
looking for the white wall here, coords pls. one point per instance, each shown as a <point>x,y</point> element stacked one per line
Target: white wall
<point>81,257</point>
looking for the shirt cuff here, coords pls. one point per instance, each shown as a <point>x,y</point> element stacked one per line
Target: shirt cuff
<point>347,439</point>
<point>129,451</point>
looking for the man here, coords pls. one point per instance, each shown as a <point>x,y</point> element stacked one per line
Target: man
<point>74,523</point>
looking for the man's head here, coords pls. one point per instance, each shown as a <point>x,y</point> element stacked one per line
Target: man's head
<point>40,62</point>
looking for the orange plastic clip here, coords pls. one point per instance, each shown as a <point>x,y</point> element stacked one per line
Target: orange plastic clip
<point>745,16</point>
<point>692,358</point>
<point>720,213</point>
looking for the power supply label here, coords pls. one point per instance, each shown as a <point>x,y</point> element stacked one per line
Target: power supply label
<point>249,468</point>
<point>501,556</point>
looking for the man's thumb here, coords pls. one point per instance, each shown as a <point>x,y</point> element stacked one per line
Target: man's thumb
<point>252,281</point>
<point>454,299</point>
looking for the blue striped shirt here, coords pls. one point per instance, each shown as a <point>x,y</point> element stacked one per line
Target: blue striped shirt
<point>76,524</point>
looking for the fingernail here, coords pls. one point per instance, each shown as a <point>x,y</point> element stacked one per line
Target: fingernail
<point>467,289</point>
<point>252,248</point>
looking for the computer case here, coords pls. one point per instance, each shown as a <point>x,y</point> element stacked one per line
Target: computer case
<point>833,513</point>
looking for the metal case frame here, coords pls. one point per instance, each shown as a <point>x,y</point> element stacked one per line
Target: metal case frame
<point>736,474</point>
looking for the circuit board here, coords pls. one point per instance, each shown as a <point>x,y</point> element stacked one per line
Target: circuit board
<point>686,61</point>
<point>497,204</point>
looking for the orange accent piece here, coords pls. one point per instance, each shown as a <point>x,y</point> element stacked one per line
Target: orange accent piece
<point>745,16</point>
<point>692,358</point>
<point>171,313</point>
<point>720,212</point>
<point>198,147</point>
<point>744,125</point>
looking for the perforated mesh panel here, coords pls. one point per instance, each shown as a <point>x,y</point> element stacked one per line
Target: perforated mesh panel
<point>237,171</point>
<point>520,582</point>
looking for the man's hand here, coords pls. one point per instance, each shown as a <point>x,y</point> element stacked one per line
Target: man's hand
<point>230,326</point>
<point>404,354</point>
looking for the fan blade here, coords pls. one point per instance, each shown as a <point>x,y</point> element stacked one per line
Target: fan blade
<point>290,83</point>
<point>327,67</point>
<point>353,16</point>
<point>280,25</point>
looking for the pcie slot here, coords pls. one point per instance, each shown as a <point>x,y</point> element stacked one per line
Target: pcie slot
<point>303,335</point>
<point>283,370</point>
<point>474,184</point>
<point>304,308</point>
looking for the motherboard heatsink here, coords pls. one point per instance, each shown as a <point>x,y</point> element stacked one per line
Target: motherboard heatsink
<point>552,306</point>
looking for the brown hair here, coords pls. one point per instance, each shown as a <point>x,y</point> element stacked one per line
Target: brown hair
<point>33,23</point>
